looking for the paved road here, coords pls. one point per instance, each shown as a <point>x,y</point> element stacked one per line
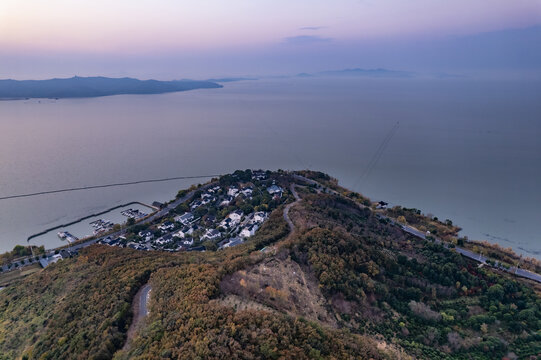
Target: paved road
<point>313,182</point>
<point>144,297</point>
<point>474,256</point>
<point>464,252</point>
<point>140,311</point>
<point>159,214</point>
<point>166,210</point>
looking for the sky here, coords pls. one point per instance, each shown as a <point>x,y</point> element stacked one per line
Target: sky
<point>208,38</point>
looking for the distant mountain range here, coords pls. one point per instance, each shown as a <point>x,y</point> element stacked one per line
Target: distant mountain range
<point>231,79</point>
<point>79,87</point>
<point>357,72</point>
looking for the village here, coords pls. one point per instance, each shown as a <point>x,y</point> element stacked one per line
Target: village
<point>218,216</point>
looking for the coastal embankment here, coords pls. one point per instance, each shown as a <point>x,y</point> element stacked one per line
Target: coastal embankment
<point>87,217</point>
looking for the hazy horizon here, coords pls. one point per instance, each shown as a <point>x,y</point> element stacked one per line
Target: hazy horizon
<point>172,40</point>
<point>393,211</point>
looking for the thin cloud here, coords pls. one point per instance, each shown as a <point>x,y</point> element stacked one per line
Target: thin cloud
<point>306,39</point>
<point>312,27</point>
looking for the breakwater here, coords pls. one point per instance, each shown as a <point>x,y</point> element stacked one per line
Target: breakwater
<point>106,186</point>
<point>86,217</point>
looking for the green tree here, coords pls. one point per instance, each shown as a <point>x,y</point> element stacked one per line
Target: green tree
<point>496,292</point>
<point>20,250</point>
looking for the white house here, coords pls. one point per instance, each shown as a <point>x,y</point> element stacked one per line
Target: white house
<point>226,201</point>
<point>179,234</point>
<point>382,205</point>
<point>227,223</point>
<point>236,216</point>
<point>231,242</point>
<point>259,217</point>
<point>164,239</point>
<point>249,231</point>
<point>259,175</point>
<point>211,234</point>
<point>232,191</point>
<point>247,192</point>
<point>185,218</point>
<point>206,201</point>
<point>166,226</point>
<point>275,190</point>
<point>146,235</point>
<point>185,231</point>
<point>196,204</point>
<point>187,242</point>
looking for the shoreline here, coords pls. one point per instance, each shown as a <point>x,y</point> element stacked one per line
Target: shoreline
<point>329,188</point>
<point>86,217</point>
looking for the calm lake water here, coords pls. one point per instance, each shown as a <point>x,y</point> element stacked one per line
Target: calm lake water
<point>465,150</point>
<point>84,228</point>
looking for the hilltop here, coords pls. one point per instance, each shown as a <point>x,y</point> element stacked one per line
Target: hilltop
<point>326,276</point>
<point>78,87</point>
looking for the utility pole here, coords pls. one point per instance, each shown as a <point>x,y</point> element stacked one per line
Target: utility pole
<point>518,264</point>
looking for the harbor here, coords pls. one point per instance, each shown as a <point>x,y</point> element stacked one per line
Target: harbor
<point>91,225</point>
<point>65,235</point>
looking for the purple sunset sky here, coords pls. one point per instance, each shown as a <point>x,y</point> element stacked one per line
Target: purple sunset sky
<point>174,39</point>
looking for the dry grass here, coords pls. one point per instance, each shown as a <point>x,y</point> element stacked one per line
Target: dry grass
<point>8,277</point>
<point>280,284</point>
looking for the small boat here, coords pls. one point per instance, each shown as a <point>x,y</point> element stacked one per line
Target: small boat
<point>61,234</point>
<point>71,238</point>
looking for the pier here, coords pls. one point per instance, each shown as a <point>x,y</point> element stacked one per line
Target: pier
<point>84,218</point>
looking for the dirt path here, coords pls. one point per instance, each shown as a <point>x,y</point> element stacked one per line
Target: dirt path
<point>288,206</point>
<point>140,311</point>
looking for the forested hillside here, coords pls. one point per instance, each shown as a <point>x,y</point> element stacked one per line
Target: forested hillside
<point>344,284</point>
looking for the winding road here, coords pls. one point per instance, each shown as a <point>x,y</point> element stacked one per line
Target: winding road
<point>288,206</point>
<point>412,231</point>
<point>140,311</point>
<point>474,256</point>
<point>144,297</point>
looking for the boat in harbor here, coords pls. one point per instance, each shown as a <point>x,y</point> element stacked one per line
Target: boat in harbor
<point>65,235</point>
<point>133,213</point>
<point>70,238</point>
<point>101,225</point>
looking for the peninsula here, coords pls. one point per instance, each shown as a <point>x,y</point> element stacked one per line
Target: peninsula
<point>268,265</point>
<point>81,87</point>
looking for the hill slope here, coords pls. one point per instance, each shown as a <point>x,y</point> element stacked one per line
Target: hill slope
<point>344,284</point>
<point>77,87</point>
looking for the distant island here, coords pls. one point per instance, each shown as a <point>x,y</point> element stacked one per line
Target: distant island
<point>357,72</point>
<point>231,79</point>
<point>80,87</point>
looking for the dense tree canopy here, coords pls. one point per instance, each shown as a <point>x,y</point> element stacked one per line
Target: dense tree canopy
<point>387,294</point>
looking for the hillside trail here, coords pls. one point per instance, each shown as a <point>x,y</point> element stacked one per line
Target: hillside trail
<point>288,206</point>
<point>140,311</point>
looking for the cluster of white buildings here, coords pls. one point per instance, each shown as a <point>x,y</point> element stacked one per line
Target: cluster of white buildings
<point>185,219</point>
<point>206,198</point>
<point>253,223</point>
<point>232,220</point>
<point>182,231</point>
<point>275,190</point>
